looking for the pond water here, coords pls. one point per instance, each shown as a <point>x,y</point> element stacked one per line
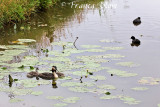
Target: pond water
<point>101,67</point>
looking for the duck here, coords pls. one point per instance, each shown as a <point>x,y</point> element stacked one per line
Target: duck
<point>53,75</point>
<point>33,73</point>
<point>135,42</point>
<point>137,21</point>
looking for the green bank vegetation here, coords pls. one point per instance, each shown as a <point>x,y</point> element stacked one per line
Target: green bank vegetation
<point>17,10</point>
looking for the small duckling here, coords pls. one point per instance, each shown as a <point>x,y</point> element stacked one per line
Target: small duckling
<point>137,21</point>
<point>33,73</point>
<point>53,75</point>
<point>135,42</point>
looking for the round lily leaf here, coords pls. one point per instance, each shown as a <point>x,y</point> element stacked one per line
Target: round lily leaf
<point>26,40</point>
<point>60,105</point>
<point>107,87</point>
<point>36,93</point>
<point>15,100</point>
<point>98,77</point>
<point>139,88</point>
<point>55,97</point>
<point>90,46</point>
<point>71,100</point>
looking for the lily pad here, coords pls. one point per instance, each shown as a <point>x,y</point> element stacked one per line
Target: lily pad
<point>107,97</point>
<point>32,83</point>
<point>58,54</point>
<point>139,88</point>
<point>16,91</point>
<point>3,47</point>
<point>55,97</point>
<point>121,73</point>
<point>72,84</point>
<point>80,73</point>
<point>95,50</point>
<point>107,87</point>
<point>60,105</point>
<point>149,81</point>
<point>26,40</point>
<point>36,93</point>
<point>61,43</point>
<point>71,100</point>
<point>113,48</point>
<point>106,41</point>
<point>90,46</point>
<point>127,64</point>
<point>112,56</point>
<point>80,89</point>
<point>98,77</point>
<point>129,100</point>
<point>15,100</point>
<point>18,47</point>
<point>59,59</point>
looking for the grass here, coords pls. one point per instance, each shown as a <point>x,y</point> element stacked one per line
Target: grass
<point>18,10</point>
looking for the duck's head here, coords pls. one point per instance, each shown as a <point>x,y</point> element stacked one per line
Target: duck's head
<point>133,38</point>
<point>139,18</point>
<point>54,69</point>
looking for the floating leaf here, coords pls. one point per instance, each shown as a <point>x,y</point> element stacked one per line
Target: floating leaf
<point>18,46</point>
<point>71,84</point>
<point>55,97</point>
<point>66,78</point>
<point>149,81</point>
<point>59,59</point>
<point>109,97</point>
<point>127,64</point>
<point>3,47</point>
<point>26,40</point>
<point>95,50</point>
<point>90,46</point>
<point>61,43</point>
<point>140,88</point>
<point>60,105</point>
<point>79,89</point>
<point>107,87</point>
<point>113,48</point>
<point>80,73</point>
<point>71,100</point>
<point>15,100</point>
<point>98,77</point>
<point>106,41</point>
<point>121,73</point>
<point>36,93</point>
<point>129,100</point>
<point>16,91</point>
<point>32,83</point>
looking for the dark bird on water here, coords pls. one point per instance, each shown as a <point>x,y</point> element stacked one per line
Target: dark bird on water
<point>46,75</point>
<point>53,75</point>
<point>135,42</point>
<point>137,21</point>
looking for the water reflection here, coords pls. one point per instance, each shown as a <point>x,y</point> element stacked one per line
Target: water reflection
<point>54,84</point>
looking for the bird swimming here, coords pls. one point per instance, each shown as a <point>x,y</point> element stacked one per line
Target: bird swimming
<point>53,75</point>
<point>137,21</point>
<point>135,42</point>
<point>46,75</point>
<point>33,73</point>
